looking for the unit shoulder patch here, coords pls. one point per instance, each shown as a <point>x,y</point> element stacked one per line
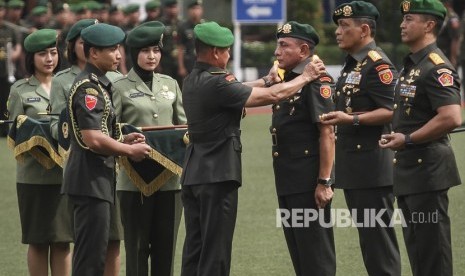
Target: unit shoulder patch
<point>382,67</point>
<point>374,55</point>
<point>326,79</point>
<point>444,70</point>
<point>436,59</point>
<point>90,101</point>
<point>446,79</point>
<point>386,76</point>
<point>325,91</point>
<point>230,77</point>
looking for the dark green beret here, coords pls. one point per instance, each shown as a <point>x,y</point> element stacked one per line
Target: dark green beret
<point>146,34</point>
<point>115,8</point>
<point>356,9</point>
<point>79,7</point>
<point>103,35</point>
<point>93,5</point>
<point>300,31</point>
<point>193,3</point>
<point>131,8</point>
<point>433,7</point>
<point>39,10</point>
<point>213,34</point>
<point>76,29</point>
<point>170,2</point>
<point>60,7</point>
<point>15,4</point>
<point>151,5</point>
<point>40,40</point>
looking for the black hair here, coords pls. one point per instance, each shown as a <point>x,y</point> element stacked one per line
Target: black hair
<point>71,51</point>
<point>439,22</point>
<point>30,67</point>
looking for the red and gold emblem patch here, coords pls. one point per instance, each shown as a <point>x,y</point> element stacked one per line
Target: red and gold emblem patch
<point>446,79</point>
<point>91,102</point>
<point>386,76</point>
<point>325,91</point>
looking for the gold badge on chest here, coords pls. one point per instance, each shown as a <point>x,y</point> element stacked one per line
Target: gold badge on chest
<point>166,93</point>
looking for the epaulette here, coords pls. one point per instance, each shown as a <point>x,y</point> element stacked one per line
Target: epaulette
<point>374,55</point>
<point>93,77</point>
<point>436,59</point>
<point>62,72</point>
<point>326,79</point>
<point>119,78</point>
<point>163,76</point>
<point>20,82</point>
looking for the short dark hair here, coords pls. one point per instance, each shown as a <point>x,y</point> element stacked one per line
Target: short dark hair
<point>71,52</point>
<point>30,66</point>
<point>370,22</point>
<point>439,22</point>
<point>87,47</point>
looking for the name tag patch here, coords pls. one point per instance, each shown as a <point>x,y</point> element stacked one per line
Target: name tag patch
<point>33,99</point>
<point>136,95</point>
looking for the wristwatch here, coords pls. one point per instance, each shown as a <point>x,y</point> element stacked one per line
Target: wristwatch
<point>328,182</point>
<point>408,141</point>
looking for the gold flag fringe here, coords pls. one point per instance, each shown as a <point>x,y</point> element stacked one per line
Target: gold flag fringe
<point>47,162</point>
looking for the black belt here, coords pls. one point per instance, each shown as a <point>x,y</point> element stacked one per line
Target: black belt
<point>206,137</point>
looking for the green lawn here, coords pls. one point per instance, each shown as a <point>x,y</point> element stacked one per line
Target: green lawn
<point>259,247</point>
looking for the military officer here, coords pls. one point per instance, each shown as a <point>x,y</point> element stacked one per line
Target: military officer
<point>89,178</point>
<point>45,215</point>
<point>61,86</point>
<point>427,108</point>
<point>185,43</point>
<point>153,11</point>
<point>303,152</point>
<point>145,98</point>
<point>364,102</point>
<point>169,64</point>
<point>214,100</point>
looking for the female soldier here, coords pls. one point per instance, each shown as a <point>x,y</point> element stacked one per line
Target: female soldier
<point>145,98</point>
<point>45,215</point>
<point>61,86</point>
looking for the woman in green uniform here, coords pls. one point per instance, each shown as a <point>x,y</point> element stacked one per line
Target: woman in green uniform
<point>45,215</point>
<point>145,98</point>
<point>61,86</point>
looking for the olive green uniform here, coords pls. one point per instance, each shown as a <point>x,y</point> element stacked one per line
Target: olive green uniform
<point>44,213</point>
<point>150,223</point>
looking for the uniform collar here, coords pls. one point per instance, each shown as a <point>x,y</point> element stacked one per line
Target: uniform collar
<point>362,54</point>
<point>75,69</point>
<point>418,56</point>
<point>205,66</point>
<point>299,69</point>
<point>101,76</point>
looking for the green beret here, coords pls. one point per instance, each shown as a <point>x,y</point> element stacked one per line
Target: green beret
<point>40,40</point>
<point>93,5</point>
<point>78,7</point>
<point>102,35</point>
<point>356,9</point>
<point>131,8</point>
<point>151,5</point>
<point>15,4</point>
<point>146,34</point>
<point>115,8</point>
<point>60,7</point>
<point>39,10</point>
<point>170,2</point>
<point>433,7</point>
<point>300,31</point>
<point>76,29</point>
<point>193,3</point>
<point>213,34</point>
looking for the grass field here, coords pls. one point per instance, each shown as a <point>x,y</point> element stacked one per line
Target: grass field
<point>259,248</point>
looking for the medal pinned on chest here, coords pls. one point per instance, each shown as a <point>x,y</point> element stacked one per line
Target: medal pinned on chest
<point>166,93</point>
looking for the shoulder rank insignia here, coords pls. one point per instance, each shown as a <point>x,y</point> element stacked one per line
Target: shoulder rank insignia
<point>91,101</point>
<point>91,91</point>
<point>230,77</point>
<point>93,77</point>
<point>325,79</point>
<point>436,59</point>
<point>446,79</point>
<point>325,91</point>
<point>375,56</point>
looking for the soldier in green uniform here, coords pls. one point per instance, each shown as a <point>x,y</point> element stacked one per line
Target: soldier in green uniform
<point>426,109</point>
<point>185,43</point>
<point>364,102</point>
<point>89,178</point>
<point>45,215</point>
<point>145,98</point>
<point>303,153</point>
<point>214,101</point>
<point>61,86</point>
<point>10,48</point>
<point>153,11</point>
<point>169,64</point>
